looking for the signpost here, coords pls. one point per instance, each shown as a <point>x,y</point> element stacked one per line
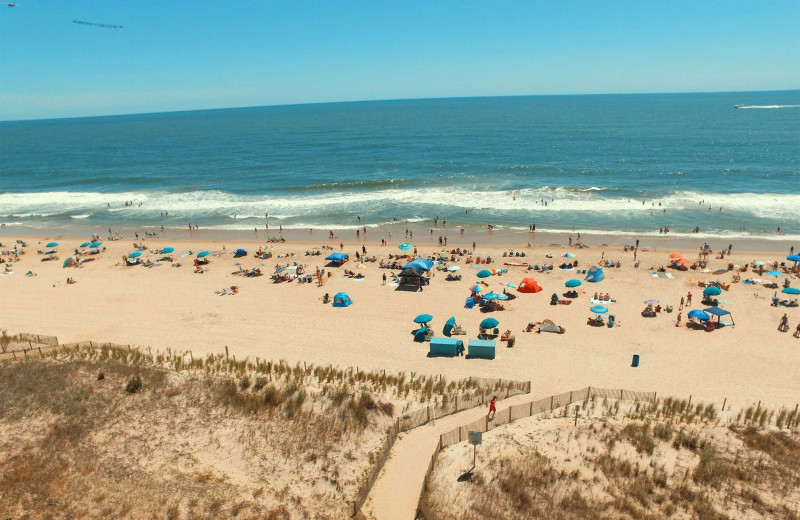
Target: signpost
<point>475,438</point>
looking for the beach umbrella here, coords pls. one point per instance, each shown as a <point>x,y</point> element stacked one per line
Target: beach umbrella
<point>96,244</point>
<point>699,315</point>
<point>773,273</point>
<point>361,267</point>
<point>599,309</point>
<point>791,290</point>
<point>684,261</point>
<point>448,326</point>
<point>489,323</point>
<point>491,296</point>
<point>572,283</point>
<point>651,302</point>
<point>52,244</point>
<point>712,291</point>
<point>202,254</point>
<point>168,250</point>
<point>720,271</point>
<point>675,255</point>
<point>758,263</point>
<point>485,273</point>
<point>86,244</point>
<point>239,252</point>
<point>405,246</point>
<point>423,318</point>
<point>454,268</point>
<point>793,258</point>
<point>135,254</point>
<point>477,288</point>
<point>510,284</point>
<point>568,255</point>
<point>502,296</point>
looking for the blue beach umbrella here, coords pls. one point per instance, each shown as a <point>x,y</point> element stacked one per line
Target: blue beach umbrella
<point>699,315</point>
<point>491,296</point>
<point>96,244</point>
<point>712,291</point>
<point>135,254</point>
<point>774,273</point>
<point>454,268</point>
<point>405,246</point>
<point>572,283</point>
<point>423,318</point>
<point>502,296</point>
<point>599,309</point>
<point>86,244</point>
<point>168,250</point>
<point>791,290</point>
<point>202,254</point>
<point>793,258</point>
<point>489,323</point>
<point>52,244</point>
<point>448,326</point>
<point>484,273</point>
<point>239,252</point>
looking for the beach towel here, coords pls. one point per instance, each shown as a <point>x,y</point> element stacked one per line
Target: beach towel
<point>603,302</point>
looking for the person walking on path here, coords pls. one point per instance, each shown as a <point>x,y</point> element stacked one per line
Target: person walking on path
<point>492,408</point>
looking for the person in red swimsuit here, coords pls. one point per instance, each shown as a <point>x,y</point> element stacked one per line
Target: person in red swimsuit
<point>492,407</point>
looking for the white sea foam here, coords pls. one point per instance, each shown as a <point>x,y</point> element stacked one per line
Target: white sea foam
<point>87,215</point>
<point>769,106</point>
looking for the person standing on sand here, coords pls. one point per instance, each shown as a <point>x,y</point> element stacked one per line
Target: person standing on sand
<point>783,326</point>
<point>473,245</point>
<point>678,322</point>
<point>680,307</point>
<point>689,299</point>
<point>384,278</point>
<point>492,408</point>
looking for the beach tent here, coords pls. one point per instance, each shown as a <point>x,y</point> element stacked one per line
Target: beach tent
<point>595,274</point>
<point>419,263</point>
<point>412,271</point>
<point>341,300</point>
<point>70,262</point>
<point>337,258</point>
<point>549,326</point>
<point>719,313</point>
<point>448,326</point>
<point>239,253</point>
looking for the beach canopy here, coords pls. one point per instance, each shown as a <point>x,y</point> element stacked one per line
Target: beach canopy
<point>712,291</point>
<point>791,290</point>
<point>86,244</point>
<point>675,255</point>
<point>405,246</point>
<point>699,315</point>
<point>719,313</point>
<point>361,267</point>
<point>599,309</point>
<point>135,254</point>
<point>412,271</point>
<point>595,274</point>
<point>419,263</point>
<point>454,268</point>
<point>528,285</point>
<point>448,326</point>
<point>70,262</point>
<point>203,254</point>
<point>239,253</point>
<point>168,250</point>
<point>793,258</point>
<point>341,300</point>
<point>484,273</point>
<point>52,244</point>
<point>773,273</point>
<point>572,283</point>
<point>423,318</point>
<point>337,257</point>
<point>489,323</point>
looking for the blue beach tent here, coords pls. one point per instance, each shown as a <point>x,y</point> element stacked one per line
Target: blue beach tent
<point>342,300</point>
<point>595,274</point>
<point>419,263</point>
<point>239,253</point>
<point>719,313</point>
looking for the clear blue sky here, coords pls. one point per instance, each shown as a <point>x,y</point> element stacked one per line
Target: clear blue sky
<point>180,55</point>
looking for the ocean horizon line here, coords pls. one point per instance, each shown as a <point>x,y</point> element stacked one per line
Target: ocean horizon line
<point>390,100</point>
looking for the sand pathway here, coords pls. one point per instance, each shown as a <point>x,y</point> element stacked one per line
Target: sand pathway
<point>396,492</point>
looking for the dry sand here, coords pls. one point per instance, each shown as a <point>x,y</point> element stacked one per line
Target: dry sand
<point>174,307</point>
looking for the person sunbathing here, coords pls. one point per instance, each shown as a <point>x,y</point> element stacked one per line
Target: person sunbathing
<point>595,297</point>
<point>504,336</point>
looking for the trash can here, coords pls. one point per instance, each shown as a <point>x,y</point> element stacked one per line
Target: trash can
<point>635,361</point>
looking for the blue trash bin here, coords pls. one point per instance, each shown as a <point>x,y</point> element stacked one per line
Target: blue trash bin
<point>635,362</point>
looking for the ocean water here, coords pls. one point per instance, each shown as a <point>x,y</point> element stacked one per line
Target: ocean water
<point>604,163</point>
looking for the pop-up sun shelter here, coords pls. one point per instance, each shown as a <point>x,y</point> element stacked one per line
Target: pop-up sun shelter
<point>719,313</point>
<point>337,258</point>
<point>341,300</point>
<point>595,274</point>
<point>419,263</point>
<point>528,285</point>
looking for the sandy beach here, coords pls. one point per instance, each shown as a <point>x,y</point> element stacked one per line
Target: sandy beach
<point>173,307</point>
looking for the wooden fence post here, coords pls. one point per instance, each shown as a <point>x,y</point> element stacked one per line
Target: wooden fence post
<point>25,352</point>
<point>551,403</point>
<point>570,397</point>
<point>456,403</point>
<point>620,394</point>
<point>531,411</point>
<point>14,354</point>
<point>40,352</point>
<point>226,351</point>
<point>588,392</point>
<point>723,403</point>
<point>690,400</point>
